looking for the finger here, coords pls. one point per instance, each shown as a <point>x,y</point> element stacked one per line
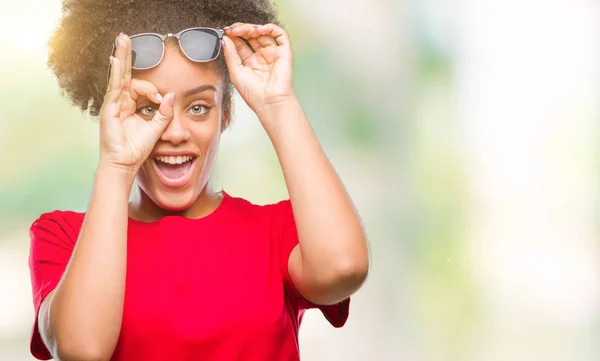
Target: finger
<point>241,48</point>
<point>266,41</point>
<point>246,31</point>
<point>111,108</point>
<point>121,55</point>
<point>249,33</point>
<point>164,115</point>
<point>142,88</point>
<point>112,104</point>
<point>113,92</point>
<point>262,41</point>
<point>271,53</point>
<point>232,58</point>
<point>128,60</point>
<point>114,82</point>
<point>254,44</point>
<point>275,32</point>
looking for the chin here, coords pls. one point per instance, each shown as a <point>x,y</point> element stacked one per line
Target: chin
<point>173,201</point>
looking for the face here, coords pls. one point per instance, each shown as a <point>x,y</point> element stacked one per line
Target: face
<point>178,170</point>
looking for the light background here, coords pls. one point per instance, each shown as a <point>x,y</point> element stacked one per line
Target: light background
<point>466,132</point>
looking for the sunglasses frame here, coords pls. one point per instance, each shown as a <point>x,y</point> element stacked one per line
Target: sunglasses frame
<point>219,32</point>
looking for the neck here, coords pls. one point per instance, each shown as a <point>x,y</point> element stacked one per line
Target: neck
<point>142,208</point>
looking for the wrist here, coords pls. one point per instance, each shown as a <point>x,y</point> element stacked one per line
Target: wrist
<point>273,109</point>
<point>282,111</point>
<point>119,173</point>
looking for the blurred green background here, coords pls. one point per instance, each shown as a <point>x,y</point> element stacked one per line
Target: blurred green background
<point>465,131</point>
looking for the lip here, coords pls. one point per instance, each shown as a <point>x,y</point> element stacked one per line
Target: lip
<point>174,154</point>
<point>178,182</point>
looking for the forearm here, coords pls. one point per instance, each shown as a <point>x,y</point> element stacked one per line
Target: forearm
<point>331,238</point>
<point>87,306</point>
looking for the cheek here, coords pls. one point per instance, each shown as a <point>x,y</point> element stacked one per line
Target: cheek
<point>206,135</point>
<point>210,145</point>
<point>144,178</point>
<point>145,172</point>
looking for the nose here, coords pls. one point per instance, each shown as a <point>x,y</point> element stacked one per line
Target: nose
<point>176,132</point>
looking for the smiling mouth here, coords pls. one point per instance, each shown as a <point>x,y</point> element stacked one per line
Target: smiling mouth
<point>174,171</point>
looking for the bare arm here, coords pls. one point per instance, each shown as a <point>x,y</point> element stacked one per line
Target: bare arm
<point>81,318</point>
<point>331,261</point>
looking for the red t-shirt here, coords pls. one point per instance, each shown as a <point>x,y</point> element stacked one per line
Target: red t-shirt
<point>215,288</point>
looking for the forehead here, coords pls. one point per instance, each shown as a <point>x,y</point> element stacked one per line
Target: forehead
<point>178,73</point>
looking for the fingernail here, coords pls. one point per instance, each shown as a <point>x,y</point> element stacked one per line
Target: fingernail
<point>172,100</point>
<point>121,35</point>
<point>227,28</point>
<point>222,43</point>
<point>159,97</point>
<point>111,59</point>
<point>257,25</point>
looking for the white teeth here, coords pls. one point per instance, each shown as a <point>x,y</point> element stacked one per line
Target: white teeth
<point>174,160</point>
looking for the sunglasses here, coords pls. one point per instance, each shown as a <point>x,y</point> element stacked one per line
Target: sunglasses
<point>197,44</point>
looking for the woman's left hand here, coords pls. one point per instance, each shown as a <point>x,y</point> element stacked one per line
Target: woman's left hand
<point>263,74</point>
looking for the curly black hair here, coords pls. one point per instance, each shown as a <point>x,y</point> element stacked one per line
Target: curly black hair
<point>80,45</point>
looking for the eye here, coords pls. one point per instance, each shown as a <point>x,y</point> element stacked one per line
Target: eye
<point>198,109</point>
<point>147,110</point>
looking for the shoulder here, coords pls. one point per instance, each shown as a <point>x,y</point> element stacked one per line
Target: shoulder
<point>244,206</point>
<point>274,216</point>
<point>66,223</point>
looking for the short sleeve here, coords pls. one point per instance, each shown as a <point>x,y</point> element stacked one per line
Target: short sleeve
<point>288,239</point>
<point>53,237</point>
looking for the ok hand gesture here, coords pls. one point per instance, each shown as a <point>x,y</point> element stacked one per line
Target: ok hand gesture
<point>126,139</point>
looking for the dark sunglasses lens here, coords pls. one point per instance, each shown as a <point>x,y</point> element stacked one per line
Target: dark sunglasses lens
<point>147,50</point>
<point>200,44</point>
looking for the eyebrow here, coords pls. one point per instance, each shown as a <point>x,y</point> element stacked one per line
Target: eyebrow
<point>199,89</point>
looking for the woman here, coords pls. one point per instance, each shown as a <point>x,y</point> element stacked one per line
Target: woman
<point>183,272</point>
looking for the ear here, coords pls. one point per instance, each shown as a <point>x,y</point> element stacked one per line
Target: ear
<point>226,113</point>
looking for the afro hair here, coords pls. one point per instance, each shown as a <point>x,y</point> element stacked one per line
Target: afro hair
<point>80,45</point>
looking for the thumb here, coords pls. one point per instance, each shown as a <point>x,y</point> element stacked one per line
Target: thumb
<point>232,58</point>
<point>164,114</point>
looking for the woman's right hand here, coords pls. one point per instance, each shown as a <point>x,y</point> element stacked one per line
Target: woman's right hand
<point>127,139</point>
